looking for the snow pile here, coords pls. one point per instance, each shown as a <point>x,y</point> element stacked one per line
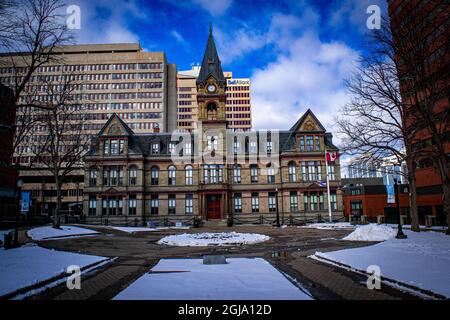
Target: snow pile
<point>330,226</point>
<point>421,260</point>
<point>213,239</point>
<point>30,264</point>
<point>190,279</point>
<point>48,232</point>
<point>371,232</point>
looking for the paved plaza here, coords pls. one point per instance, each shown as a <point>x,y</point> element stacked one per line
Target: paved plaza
<point>287,250</point>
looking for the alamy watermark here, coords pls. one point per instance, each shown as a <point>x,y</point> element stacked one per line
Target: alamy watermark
<point>73,281</point>
<point>374,19</point>
<point>374,278</point>
<point>73,20</point>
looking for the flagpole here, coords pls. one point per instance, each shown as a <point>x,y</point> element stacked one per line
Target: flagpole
<point>330,216</point>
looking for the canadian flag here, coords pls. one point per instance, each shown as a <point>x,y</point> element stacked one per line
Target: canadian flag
<point>332,156</point>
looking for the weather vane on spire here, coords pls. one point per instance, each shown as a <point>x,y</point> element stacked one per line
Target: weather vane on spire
<point>210,26</point>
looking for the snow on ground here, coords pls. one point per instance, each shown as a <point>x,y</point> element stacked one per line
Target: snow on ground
<point>330,226</point>
<point>30,264</point>
<point>190,279</point>
<point>48,232</point>
<point>422,260</point>
<point>213,239</point>
<point>371,232</point>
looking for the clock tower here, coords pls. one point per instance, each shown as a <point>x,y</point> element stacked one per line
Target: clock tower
<point>211,85</point>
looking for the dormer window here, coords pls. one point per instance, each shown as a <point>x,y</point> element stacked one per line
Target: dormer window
<point>155,148</point>
<point>310,143</point>
<point>114,147</point>
<point>317,144</point>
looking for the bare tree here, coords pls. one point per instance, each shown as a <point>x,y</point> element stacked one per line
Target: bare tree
<point>32,39</point>
<point>31,31</point>
<point>65,140</point>
<point>373,124</point>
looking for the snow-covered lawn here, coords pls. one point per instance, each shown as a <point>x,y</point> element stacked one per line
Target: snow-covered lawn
<point>213,239</point>
<point>190,279</point>
<point>421,260</point>
<point>30,264</point>
<point>330,226</point>
<point>371,232</point>
<point>48,232</point>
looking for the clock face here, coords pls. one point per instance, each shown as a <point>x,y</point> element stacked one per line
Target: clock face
<point>211,88</point>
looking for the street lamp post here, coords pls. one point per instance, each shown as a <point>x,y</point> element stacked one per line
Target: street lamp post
<point>400,234</point>
<point>276,203</point>
<point>16,230</point>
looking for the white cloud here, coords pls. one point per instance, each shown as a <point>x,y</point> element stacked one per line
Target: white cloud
<point>243,41</point>
<point>105,21</point>
<point>178,37</point>
<point>309,74</point>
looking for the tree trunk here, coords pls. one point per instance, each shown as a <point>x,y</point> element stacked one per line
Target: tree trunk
<point>413,195</point>
<point>56,218</point>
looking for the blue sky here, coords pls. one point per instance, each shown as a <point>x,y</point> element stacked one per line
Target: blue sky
<point>297,53</point>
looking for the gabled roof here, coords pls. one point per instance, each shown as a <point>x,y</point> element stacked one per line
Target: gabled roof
<point>127,129</point>
<point>298,124</point>
<point>211,65</point>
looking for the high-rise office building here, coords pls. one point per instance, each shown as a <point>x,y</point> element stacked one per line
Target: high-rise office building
<point>139,86</point>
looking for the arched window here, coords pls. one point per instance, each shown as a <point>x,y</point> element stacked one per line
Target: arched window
<point>93,173</point>
<point>292,172</point>
<point>189,174</point>
<point>132,175</point>
<point>154,176</point>
<point>211,107</point>
<point>172,176</point>
<point>237,173</point>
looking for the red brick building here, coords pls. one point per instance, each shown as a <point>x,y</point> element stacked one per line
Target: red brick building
<point>420,30</point>
<point>368,197</point>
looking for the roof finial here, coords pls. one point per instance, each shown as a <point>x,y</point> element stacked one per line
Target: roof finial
<point>210,27</point>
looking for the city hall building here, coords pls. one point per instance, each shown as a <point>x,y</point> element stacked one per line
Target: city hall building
<point>214,172</point>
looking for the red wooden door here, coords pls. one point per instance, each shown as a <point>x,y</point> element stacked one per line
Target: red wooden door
<point>214,209</point>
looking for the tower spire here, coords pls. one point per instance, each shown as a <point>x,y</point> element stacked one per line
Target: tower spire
<point>211,65</point>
